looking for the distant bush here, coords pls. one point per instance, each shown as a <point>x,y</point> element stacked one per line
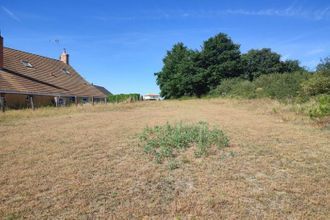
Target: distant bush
<point>244,89</point>
<point>312,91</point>
<point>226,87</point>
<point>280,86</point>
<point>124,98</point>
<point>275,86</point>
<point>235,87</point>
<point>322,107</point>
<point>318,84</point>
<point>167,141</point>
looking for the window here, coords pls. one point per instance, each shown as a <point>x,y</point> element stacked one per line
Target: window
<point>67,72</point>
<point>27,64</point>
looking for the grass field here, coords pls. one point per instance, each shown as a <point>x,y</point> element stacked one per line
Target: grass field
<point>86,163</point>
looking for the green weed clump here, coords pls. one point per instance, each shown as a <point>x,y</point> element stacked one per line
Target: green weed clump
<point>167,141</point>
<point>321,108</point>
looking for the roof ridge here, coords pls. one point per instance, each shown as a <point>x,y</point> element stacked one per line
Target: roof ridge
<point>34,54</point>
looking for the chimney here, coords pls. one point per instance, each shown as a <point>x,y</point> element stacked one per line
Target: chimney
<point>1,52</point>
<point>64,57</point>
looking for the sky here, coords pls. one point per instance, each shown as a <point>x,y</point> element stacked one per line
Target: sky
<point>121,44</point>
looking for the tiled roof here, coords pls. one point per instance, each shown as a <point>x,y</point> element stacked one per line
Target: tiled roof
<point>47,76</point>
<point>13,83</point>
<point>103,90</point>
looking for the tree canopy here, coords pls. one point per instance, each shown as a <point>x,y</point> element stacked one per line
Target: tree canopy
<point>324,65</point>
<point>189,72</point>
<point>259,62</point>
<point>220,58</point>
<point>176,75</point>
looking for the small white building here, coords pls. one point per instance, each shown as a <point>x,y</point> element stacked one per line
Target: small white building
<point>152,97</point>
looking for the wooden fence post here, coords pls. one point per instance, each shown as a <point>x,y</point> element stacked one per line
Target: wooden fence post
<point>2,102</point>
<point>92,100</point>
<point>56,98</point>
<point>31,102</point>
<point>76,100</point>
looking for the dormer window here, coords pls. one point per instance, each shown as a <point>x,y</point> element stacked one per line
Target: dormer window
<point>67,72</point>
<point>27,64</point>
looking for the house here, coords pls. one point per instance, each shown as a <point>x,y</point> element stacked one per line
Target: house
<point>30,80</point>
<point>103,90</point>
<point>151,97</point>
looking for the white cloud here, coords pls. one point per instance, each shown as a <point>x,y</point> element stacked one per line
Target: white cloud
<point>295,10</point>
<point>291,11</point>
<point>11,14</point>
<point>319,14</point>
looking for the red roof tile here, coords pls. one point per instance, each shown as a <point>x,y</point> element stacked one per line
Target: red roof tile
<point>47,76</point>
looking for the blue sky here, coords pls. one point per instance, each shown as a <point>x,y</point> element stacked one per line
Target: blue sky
<point>121,44</point>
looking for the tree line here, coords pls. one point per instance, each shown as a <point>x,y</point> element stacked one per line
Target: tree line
<point>188,72</point>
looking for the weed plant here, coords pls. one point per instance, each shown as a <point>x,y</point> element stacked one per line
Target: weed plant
<point>167,141</point>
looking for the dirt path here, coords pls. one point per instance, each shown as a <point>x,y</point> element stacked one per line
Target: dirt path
<point>88,165</point>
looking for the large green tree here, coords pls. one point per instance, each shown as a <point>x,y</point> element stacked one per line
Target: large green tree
<point>176,79</point>
<point>219,59</point>
<point>264,61</point>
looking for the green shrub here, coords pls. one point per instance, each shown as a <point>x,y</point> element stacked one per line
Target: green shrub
<point>124,98</point>
<point>226,87</point>
<point>322,108</point>
<point>276,86</point>
<point>318,84</point>
<point>235,87</point>
<point>167,141</point>
<point>280,86</point>
<point>244,89</point>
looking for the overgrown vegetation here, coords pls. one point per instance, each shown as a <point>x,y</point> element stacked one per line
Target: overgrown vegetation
<point>235,87</point>
<point>220,69</point>
<point>318,84</point>
<point>168,141</point>
<point>298,87</point>
<point>322,107</point>
<point>283,87</point>
<point>133,97</point>
<point>189,72</point>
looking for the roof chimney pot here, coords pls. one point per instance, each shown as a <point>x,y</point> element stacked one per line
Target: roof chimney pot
<point>64,57</point>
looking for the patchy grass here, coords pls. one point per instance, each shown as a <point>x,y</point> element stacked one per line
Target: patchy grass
<point>168,141</point>
<point>82,163</point>
<point>22,114</point>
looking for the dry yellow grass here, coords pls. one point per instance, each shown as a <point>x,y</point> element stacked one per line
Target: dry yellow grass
<point>85,163</point>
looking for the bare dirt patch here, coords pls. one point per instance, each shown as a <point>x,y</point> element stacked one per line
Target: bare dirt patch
<point>86,163</point>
